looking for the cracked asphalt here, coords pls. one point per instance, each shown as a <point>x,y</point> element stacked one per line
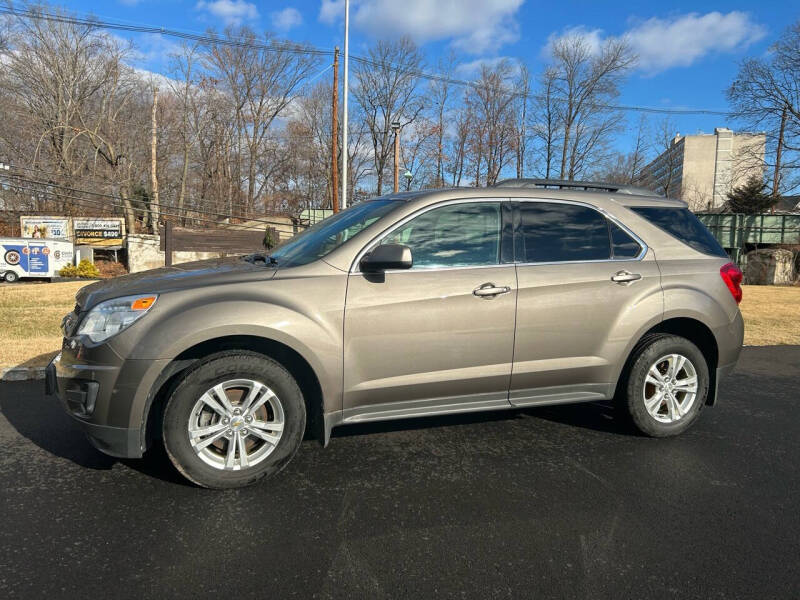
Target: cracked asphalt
<point>559,502</point>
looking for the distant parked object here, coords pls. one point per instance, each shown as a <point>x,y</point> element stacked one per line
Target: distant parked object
<point>42,258</point>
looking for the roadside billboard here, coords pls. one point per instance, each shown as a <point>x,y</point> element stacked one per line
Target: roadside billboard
<point>105,231</point>
<point>35,227</point>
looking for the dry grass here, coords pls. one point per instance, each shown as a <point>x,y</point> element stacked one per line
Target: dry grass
<point>771,315</point>
<point>30,317</point>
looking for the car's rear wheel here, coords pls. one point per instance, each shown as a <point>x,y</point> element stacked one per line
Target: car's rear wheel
<point>234,419</point>
<point>667,386</point>
<point>11,277</point>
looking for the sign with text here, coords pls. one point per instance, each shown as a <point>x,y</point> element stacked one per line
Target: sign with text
<point>36,227</point>
<point>106,231</point>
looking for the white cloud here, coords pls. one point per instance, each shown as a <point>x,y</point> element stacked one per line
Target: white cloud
<point>665,43</point>
<point>284,20</point>
<point>231,12</point>
<point>474,26</point>
<point>678,41</point>
<point>331,10</point>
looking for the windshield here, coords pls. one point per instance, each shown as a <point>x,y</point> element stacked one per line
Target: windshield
<point>327,235</point>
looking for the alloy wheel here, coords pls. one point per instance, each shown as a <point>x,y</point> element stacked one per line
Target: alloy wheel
<point>236,424</point>
<point>670,388</point>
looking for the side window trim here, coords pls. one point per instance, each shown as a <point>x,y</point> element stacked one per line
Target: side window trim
<point>609,218</point>
<point>355,270</point>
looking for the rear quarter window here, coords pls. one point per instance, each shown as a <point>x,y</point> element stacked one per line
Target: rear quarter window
<point>680,223</point>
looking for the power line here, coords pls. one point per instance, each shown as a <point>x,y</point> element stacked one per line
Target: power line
<point>171,206</point>
<point>274,46</point>
<point>14,179</point>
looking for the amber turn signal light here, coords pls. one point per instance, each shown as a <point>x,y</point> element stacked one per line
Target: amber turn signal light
<point>143,303</point>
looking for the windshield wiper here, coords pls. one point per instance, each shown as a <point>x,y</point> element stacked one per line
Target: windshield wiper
<point>260,257</point>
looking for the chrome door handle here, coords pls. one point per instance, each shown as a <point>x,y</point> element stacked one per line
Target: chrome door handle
<point>625,277</point>
<point>490,290</point>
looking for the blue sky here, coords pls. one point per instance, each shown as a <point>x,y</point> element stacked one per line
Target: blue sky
<point>688,50</point>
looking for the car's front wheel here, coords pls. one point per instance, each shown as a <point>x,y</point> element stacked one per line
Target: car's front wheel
<point>11,277</point>
<point>667,386</point>
<point>234,419</point>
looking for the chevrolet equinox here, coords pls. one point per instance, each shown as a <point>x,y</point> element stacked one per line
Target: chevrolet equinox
<point>528,293</point>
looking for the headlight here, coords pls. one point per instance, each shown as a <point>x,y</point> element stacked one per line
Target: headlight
<point>112,316</point>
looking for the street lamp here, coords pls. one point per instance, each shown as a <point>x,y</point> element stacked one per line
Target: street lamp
<point>396,131</point>
<point>408,175</point>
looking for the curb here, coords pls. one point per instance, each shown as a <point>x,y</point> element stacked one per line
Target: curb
<point>22,373</point>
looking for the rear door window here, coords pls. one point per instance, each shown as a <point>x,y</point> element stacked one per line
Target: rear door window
<point>556,232</point>
<point>680,223</point>
<point>623,246</point>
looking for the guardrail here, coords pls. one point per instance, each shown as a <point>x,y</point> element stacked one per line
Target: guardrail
<point>735,231</point>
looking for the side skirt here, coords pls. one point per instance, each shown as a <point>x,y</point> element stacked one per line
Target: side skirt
<point>455,405</point>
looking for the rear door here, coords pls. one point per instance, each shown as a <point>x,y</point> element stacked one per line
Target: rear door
<point>428,339</point>
<point>585,283</point>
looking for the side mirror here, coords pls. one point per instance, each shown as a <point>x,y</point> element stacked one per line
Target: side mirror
<point>385,257</point>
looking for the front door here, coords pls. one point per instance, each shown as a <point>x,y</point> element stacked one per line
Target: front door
<point>439,336</point>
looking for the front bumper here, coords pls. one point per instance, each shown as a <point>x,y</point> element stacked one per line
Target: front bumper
<point>106,398</point>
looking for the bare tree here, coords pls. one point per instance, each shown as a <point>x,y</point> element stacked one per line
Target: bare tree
<point>585,83</point>
<point>458,146</point>
<point>386,91</point>
<point>660,174</point>
<point>73,84</point>
<point>419,151</point>
<point>626,167</point>
<point>766,94</point>
<point>523,90</point>
<point>546,124</point>
<point>493,132</point>
<point>260,82</point>
<point>183,87</point>
<point>441,93</point>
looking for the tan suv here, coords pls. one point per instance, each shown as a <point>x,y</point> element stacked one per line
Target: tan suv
<point>528,293</point>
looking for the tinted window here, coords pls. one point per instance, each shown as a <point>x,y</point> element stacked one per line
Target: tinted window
<point>458,235</point>
<point>622,244</point>
<point>682,224</point>
<point>553,232</point>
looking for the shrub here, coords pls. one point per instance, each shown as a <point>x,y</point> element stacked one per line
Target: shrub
<point>68,271</point>
<point>85,270</point>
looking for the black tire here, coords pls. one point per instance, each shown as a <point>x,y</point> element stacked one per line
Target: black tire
<point>631,396</point>
<point>11,277</point>
<point>219,368</point>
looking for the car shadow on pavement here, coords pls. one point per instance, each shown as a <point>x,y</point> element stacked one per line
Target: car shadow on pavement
<point>597,416</point>
<point>40,419</point>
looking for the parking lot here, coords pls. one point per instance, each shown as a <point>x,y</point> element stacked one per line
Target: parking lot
<point>558,502</point>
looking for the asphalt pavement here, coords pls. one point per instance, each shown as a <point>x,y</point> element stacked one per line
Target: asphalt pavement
<point>558,502</point>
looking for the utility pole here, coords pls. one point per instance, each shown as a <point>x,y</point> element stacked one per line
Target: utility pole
<point>335,134</point>
<point>396,130</point>
<point>154,205</point>
<point>345,91</point>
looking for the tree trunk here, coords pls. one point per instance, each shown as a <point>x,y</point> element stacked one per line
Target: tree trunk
<point>776,178</point>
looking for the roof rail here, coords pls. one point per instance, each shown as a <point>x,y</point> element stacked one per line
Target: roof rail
<point>586,186</point>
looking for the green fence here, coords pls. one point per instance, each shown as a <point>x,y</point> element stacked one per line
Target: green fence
<point>735,232</point>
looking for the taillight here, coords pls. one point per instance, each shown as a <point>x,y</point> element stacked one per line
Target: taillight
<point>732,277</point>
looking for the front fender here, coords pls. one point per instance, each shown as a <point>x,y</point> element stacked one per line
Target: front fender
<point>305,314</point>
